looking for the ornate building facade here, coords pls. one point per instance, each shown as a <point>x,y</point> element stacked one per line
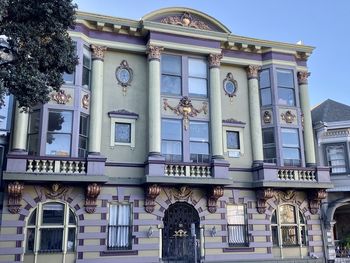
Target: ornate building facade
<point>173,141</point>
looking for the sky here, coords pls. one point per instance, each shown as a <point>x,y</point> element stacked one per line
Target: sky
<point>323,24</point>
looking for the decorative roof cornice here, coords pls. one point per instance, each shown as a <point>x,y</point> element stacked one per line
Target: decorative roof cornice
<point>122,113</point>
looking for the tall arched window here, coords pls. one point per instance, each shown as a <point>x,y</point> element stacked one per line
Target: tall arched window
<point>51,227</point>
<point>288,227</point>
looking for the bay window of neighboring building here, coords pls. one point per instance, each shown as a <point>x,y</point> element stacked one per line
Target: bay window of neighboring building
<point>285,87</point>
<point>51,228</point>
<point>183,140</point>
<point>290,147</point>
<point>237,226</point>
<point>288,227</point>
<point>120,226</point>
<point>336,158</point>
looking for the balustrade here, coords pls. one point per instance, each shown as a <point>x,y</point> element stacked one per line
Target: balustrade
<point>182,170</point>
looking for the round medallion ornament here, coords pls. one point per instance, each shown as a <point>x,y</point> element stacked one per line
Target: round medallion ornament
<point>230,86</point>
<point>124,75</point>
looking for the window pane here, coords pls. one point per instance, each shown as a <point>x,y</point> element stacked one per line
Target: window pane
<point>72,220</point>
<point>86,58</point>
<point>32,219</point>
<point>290,137</point>
<point>58,144</point>
<point>237,235</point>
<point>51,240</point>
<point>33,144</point>
<point>172,150</point>
<point>285,78</point>
<point>83,144</point>
<point>119,230</point>
<point>232,139</point>
<point>86,78</point>
<point>30,239</point>
<point>199,131</point>
<point>301,218</point>
<point>289,235</point>
<point>68,78</point>
<point>270,155</point>
<point>171,85</point>
<point>274,234</point>
<point>265,96</point>
<point>268,136</point>
<point>171,64</point>
<point>287,214</point>
<point>60,121</point>
<point>199,152</point>
<point>53,213</point>
<point>291,153</point>
<point>197,68</point>
<point>197,86</point>
<point>274,217</point>
<point>264,78</point>
<point>303,235</point>
<point>122,132</point>
<point>286,96</point>
<point>83,127</point>
<point>34,122</point>
<point>71,239</point>
<point>235,214</point>
<point>171,130</point>
<point>336,158</point>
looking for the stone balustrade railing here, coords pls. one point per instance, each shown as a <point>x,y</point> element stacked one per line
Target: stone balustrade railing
<point>184,170</point>
<point>56,166</point>
<point>296,175</point>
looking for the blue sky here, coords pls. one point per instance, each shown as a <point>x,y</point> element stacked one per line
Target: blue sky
<point>319,23</point>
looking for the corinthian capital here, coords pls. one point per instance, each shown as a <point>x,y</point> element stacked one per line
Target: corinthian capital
<point>214,60</point>
<point>98,52</point>
<point>253,71</point>
<point>154,52</point>
<point>302,77</point>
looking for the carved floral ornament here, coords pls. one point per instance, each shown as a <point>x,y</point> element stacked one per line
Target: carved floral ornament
<point>55,191</point>
<point>230,86</point>
<point>124,75</point>
<point>91,194</point>
<point>185,20</point>
<point>214,60</point>
<point>212,197</point>
<point>85,101</point>
<point>154,52</point>
<point>303,77</point>
<point>315,198</point>
<point>151,193</point>
<point>185,193</point>
<point>267,117</point>
<point>288,116</point>
<point>186,109</point>
<point>14,191</point>
<point>98,52</point>
<point>253,71</point>
<point>262,195</point>
<point>61,97</point>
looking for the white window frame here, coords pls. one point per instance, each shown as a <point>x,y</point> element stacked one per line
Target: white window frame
<point>132,122</point>
<point>233,153</point>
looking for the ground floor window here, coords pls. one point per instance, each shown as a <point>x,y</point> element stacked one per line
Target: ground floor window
<point>237,225</point>
<point>120,227</point>
<point>51,228</point>
<point>288,227</point>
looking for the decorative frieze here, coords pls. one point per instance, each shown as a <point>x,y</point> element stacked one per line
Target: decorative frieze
<point>315,198</point>
<point>262,195</point>
<point>55,191</point>
<point>285,196</point>
<point>212,197</point>
<point>91,194</point>
<point>185,20</point>
<point>14,191</point>
<point>253,71</point>
<point>154,52</point>
<point>303,77</point>
<point>214,60</point>
<point>267,117</point>
<point>288,116</point>
<point>152,191</point>
<point>61,97</point>
<point>186,109</point>
<point>98,52</point>
<point>185,193</point>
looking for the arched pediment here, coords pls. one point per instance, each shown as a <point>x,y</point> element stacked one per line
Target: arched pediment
<point>186,17</point>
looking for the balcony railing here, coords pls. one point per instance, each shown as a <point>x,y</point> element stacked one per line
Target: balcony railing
<point>24,165</point>
<point>188,170</point>
<point>296,175</point>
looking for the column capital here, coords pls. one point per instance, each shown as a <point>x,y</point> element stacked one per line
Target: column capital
<point>98,52</point>
<point>154,52</point>
<point>214,60</point>
<point>302,77</point>
<point>253,71</point>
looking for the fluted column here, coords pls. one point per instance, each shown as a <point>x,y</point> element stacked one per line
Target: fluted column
<point>215,105</point>
<point>305,108</point>
<point>254,112</point>
<point>20,130</point>
<point>96,99</point>
<point>154,113</point>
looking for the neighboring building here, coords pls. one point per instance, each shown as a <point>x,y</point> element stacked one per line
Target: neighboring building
<point>157,150</point>
<point>331,121</point>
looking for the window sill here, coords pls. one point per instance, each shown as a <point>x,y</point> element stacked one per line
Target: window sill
<point>238,249</point>
<point>119,253</point>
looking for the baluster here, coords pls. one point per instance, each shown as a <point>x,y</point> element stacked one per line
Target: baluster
<point>166,170</point>
<point>192,171</point>
<point>37,166</point>
<point>70,167</point>
<point>208,171</point>
<point>76,167</point>
<point>182,170</point>
<point>171,170</point>
<point>313,176</point>
<point>82,168</point>
<point>50,168</point>
<point>198,172</point>
<point>43,166</point>
<point>63,166</point>
<point>30,166</point>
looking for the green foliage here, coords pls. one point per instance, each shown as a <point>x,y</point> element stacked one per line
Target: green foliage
<point>42,49</point>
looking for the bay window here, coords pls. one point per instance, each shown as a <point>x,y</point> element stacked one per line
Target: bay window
<point>265,88</point>
<point>172,140</point>
<point>336,158</point>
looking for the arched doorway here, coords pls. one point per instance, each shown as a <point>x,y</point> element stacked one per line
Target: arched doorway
<point>181,234</point>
